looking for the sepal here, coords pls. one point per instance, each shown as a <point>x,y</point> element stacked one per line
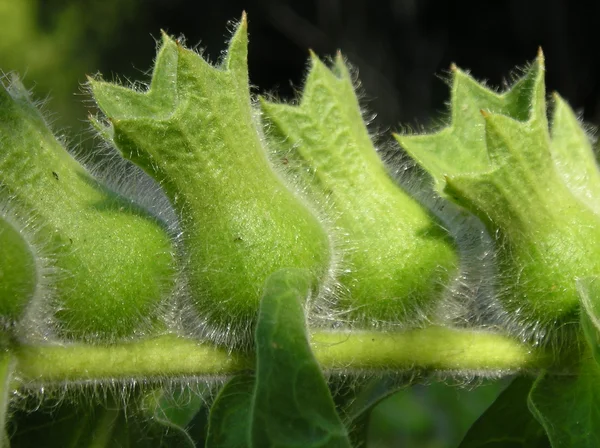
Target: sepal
<point>497,160</point>
<point>195,132</point>
<point>113,260</point>
<point>393,254</point>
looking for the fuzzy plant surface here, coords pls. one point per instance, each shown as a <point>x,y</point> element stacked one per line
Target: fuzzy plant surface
<point>241,272</point>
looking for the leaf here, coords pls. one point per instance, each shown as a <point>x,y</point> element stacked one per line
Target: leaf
<point>66,425</point>
<point>359,421</point>
<point>438,414</point>
<point>292,405</point>
<point>172,411</point>
<point>567,406</point>
<point>508,423</point>
<point>229,424</point>
<point>356,396</point>
<point>79,422</point>
<point>178,408</point>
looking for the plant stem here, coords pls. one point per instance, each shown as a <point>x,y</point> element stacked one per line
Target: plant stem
<point>7,364</point>
<point>438,348</point>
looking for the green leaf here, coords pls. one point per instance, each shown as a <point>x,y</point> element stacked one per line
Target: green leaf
<point>362,399</point>
<point>438,414</point>
<point>179,407</point>
<point>229,425</point>
<point>195,132</point>
<point>400,254</point>
<point>69,425</point>
<point>171,412</point>
<point>292,405</point>
<point>508,423</point>
<point>567,406</point>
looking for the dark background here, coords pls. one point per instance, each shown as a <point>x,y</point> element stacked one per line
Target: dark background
<point>399,45</point>
<point>400,48</point>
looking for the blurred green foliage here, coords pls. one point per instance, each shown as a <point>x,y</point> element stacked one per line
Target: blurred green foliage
<point>433,416</point>
<point>55,43</point>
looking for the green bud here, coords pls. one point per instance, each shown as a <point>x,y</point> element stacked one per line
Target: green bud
<point>395,256</point>
<point>113,260</point>
<point>497,160</point>
<point>195,132</point>
<point>18,273</point>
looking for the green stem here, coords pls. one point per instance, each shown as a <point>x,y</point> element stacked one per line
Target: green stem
<point>438,348</point>
<point>7,365</point>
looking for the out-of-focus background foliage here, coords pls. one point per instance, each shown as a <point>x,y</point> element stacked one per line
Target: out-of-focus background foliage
<point>399,48</point>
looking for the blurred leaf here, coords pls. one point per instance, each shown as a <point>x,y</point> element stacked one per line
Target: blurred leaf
<point>356,398</point>
<point>508,422</point>
<point>435,415</point>
<point>229,425</point>
<point>79,423</point>
<point>66,424</point>
<point>172,411</point>
<point>568,406</point>
<point>55,42</point>
<point>292,404</point>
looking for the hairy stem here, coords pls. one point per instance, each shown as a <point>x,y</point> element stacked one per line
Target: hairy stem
<point>438,348</point>
<point>7,365</point>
